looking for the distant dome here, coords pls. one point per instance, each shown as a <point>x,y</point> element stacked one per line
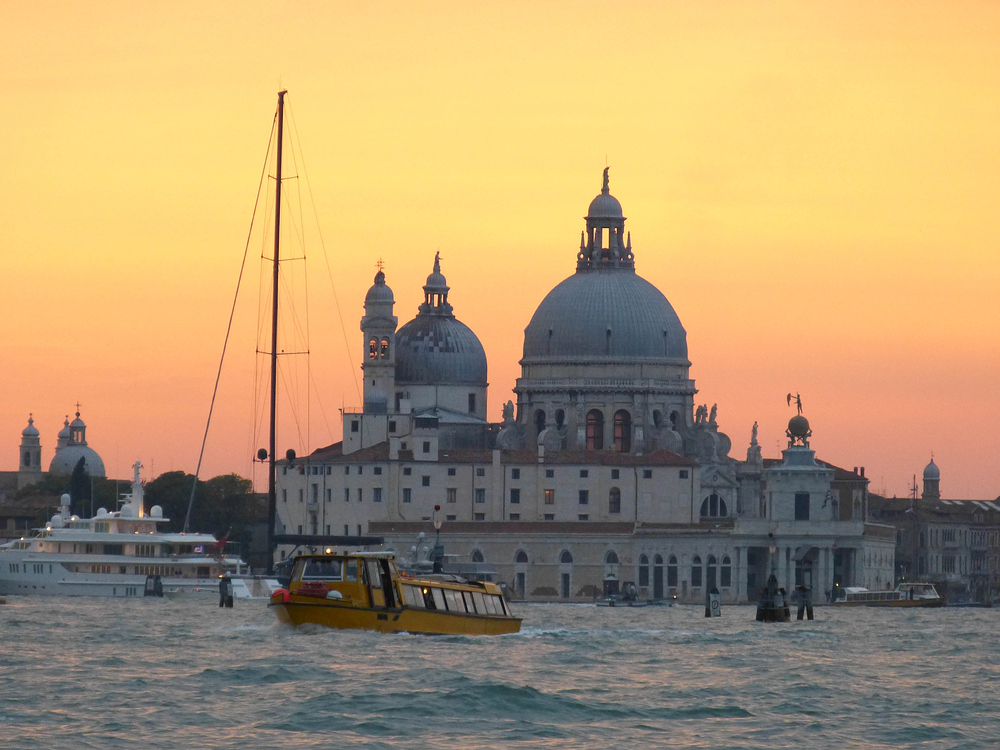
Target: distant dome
<point>798,426</point>
<point>379,291</point>
<point>30,431</point>
<point>574,320</point>
<point>931,471</point>
<point>64,432</point>
<point>77,422</point>
<point>433,349</point>
<point>67,458</point>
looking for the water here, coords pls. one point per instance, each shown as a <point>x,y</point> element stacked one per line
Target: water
<point>79,673</point>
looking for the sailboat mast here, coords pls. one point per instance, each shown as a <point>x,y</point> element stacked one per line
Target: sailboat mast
<point>271,470</point>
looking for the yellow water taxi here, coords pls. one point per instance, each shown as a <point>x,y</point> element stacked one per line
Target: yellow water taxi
<point>366,591</point>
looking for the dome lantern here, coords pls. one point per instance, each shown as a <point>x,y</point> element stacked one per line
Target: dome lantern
<point>604,244</point>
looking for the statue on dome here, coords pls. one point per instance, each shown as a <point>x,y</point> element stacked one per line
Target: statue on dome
<point>715,413</point>
<point>798,401</point>
<point>753,434</point>
<point>508,411</point>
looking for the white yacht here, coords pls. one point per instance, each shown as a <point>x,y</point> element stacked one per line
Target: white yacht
<point>116,554</point>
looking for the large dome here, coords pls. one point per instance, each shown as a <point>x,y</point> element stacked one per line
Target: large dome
<point>435,349</point>
<point>605,314</point>
<point>68,457</point>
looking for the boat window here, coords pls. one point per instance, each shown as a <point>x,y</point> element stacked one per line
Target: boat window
<point>297,571</point>
<point>438,598</point>
<point>325,570</point>
<point>374,575</point>
<point>480,604</point>
<point>414,596</point>
<point>467,599</point>
<point>352,570</point>
<point>455,603</point>
<point>491,605</point>
<point>503,607</point>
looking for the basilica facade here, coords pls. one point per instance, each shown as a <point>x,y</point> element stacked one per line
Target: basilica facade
<point>603,469</point>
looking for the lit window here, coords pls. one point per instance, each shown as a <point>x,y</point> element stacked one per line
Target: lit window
<point>550,497</point>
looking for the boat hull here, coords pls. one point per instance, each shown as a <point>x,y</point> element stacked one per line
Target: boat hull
<point>401,620</point>
<point>896,603</point>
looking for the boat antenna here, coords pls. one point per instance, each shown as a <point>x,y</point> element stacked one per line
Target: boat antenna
<point>271,470</point>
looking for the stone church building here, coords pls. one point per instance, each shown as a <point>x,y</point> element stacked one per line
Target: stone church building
<point>603,469</point>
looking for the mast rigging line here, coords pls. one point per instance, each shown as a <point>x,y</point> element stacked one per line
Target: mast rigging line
<point>229,326</point>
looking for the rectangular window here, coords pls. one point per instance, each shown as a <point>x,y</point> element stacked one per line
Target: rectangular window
<point>550,497</point>
<point>647,473</point>
<point>300,529</point>
<point>450,518</point>
<point>584,473</point>
<point>427,446</point>
<point>480,472</point>
<point>515,496</point>
<point>614,473</point>
<point>361,470</point>
<point>315,493</point>
<point>377,495</point>
<point>360,494</point>
<point>550,473</point>
<point>515,473</point>
<point>480,516</point>
<point>480,495</point>
<point>584,497</point>
<point>801,506</point>
<point>451,472</point>
<point>347,495</point>
<point>377,471</point>
<point>359,529</point>
<point>425,481</point>
<point>302,494</point>
<point>392,424</point>
<point>347,530</point>
<point>284,496</point>
<point>328,529</point>
<point>472,403</point>
<point>452,494</point>
<point>354,425</point>
<point>583,517</point>
<point>407,471</point>
<point>329,494</point>
<point>515,516</point>
<point>407,494</point>
<point>684,473</point>
<point>329,470</point>
<point>347,470</point>
<point>550,516</point>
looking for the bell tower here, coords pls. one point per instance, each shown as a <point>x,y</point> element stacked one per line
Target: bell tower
<point>29,470</point>
<point>379,327</point>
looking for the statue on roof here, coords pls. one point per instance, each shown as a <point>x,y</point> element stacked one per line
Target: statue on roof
<point>798,401</point>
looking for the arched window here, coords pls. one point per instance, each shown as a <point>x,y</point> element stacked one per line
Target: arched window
<point>477,556</point>
<point>657,418</point>
<point>566,558</point>
<point>674,419</point>
<point>696,572</point>
<point>611,559</point>
<point>711,581</point>
<point>384,350</point>
<point>373,349</point>
<point>521,556</point>
<point>714,506</point>
<point>595,430</point>
<point>615,500</point>
<point>671,571</point>
<point>560,418</point>
<point>643,570</point>
<point>726,573</point>
<point>539,420</point>
<point>623,431</point>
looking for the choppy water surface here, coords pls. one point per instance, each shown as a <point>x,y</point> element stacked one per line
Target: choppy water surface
<point>166,674</point>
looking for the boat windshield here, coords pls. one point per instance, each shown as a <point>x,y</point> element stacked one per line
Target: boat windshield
<point>323,570</point>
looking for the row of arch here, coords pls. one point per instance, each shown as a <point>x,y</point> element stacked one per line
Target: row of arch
<point>712,566</point>
<point>622,434</point>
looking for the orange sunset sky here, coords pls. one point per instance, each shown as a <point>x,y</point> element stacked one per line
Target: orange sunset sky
<point>813,186</point>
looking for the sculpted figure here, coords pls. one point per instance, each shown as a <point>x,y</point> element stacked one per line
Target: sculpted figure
<point>508,411</point>
<point>714,414</point>
<point>753,435</point>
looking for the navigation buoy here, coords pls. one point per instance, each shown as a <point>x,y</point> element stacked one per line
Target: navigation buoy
<point>713,604</point>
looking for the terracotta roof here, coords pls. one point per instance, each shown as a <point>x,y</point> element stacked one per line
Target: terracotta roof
<point>380,453</point>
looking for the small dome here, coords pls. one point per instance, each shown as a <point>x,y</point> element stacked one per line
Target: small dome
<point>30,431</point>
<point>931,471</point>
<point>434,349</point>
<point>56,522</point>
<point>126,511</point>
<point>379,291</point>
<point>605,206</point>
<point>436,282</point>
<point>64,432</point>
<point>101,512</point>
<point>77,422</point>
<point>798,426</point>
<point>156,512</point>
